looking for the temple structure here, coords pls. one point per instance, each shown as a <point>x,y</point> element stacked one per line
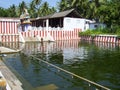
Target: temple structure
<point>25,23</point>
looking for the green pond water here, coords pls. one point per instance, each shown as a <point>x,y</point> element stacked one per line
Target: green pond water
<point>96,61</point>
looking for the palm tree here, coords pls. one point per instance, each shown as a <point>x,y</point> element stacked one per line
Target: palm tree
<point>3,12</point>
<point>21,7</point>
<point>52,10</point>
<point>37,4</point>
<point>80,5</point>
<point>44,10</point>
<point>64,5</point>
<point>32,10</point>
<point>12,11</point>
<point>36,8</point>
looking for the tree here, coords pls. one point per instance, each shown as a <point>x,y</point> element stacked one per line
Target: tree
<point>110,13</point>
<point>37,6</point>
<point>32,10</point>
<point>63,5</point>
<point>46,10</point>
<point>21,7</point>
<point>12,11</point>
<point>52,10</point>
<point>3,12</point>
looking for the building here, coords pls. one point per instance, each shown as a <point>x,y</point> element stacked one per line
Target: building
<point>67,20</point>
<point>25,23</point>
<point>95,25</point>
<point>58,26</point>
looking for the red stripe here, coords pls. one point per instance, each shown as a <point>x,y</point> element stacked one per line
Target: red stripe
<point>0,27</point>
<point>45,33</point>
<point>34,32</point>
<point>40,33</point>
<point>28,34</point>
<point>7,26</point>
<point>14,27</point>
<point>58,35</point>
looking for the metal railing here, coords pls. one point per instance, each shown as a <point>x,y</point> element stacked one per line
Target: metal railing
<point>73,74</point>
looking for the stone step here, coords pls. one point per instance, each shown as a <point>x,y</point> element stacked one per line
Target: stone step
<point>31,39</point>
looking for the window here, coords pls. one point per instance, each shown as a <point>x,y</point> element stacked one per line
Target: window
<point>95,26</point>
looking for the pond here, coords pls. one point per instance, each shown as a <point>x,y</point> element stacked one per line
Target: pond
<point>95,61</point>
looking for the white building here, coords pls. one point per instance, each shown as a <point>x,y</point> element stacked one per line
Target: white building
<point>68,20</point>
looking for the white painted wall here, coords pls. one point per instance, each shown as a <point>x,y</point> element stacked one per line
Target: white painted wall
<point>71,23</point>
<point>67,23</point>
<point>81,23</point>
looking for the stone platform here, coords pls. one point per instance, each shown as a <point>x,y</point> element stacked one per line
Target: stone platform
<point>5,50</point>
<point>12,82</point>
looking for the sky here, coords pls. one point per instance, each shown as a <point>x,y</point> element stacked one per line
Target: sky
<point>8,3</point>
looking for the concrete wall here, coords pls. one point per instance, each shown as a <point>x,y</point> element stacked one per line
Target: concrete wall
<point>71,23</point>
<point>53,34</point>
<point>9,32</point>
<point>80,23</point>
<point>101,38</point>
<point>8,25</point>
<point>8,29</point>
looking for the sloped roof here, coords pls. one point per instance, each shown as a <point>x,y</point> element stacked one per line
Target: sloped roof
<point>60,14</point>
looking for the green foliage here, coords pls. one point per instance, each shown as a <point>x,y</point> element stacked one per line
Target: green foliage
<point>99,31</point>
<point>35,8</point>
<point>105,11</point>
<point>3,12</point>
<point>118,31</point>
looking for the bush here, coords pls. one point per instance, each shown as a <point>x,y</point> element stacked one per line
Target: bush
<point>118,31</point>
<point>102,31</point>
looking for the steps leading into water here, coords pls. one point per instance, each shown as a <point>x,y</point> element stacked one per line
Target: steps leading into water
<point>37,39</point>
<point>12,81</point>
<point>5,50</point>
<point>31,39</point>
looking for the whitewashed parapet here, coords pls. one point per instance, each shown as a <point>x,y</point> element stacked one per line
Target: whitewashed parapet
<point>101,38</point>
<point>107,35</point>
<point>45,28</point>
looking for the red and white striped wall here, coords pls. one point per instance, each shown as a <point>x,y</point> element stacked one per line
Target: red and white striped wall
<point>56,34</point>
<point>9,32</point>
<point>102,38</point>
<point>8,26</point>
<point>8,29</point>
<point>9,37</point>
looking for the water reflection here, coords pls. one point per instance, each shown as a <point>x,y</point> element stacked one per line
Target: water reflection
<point>96,61</point>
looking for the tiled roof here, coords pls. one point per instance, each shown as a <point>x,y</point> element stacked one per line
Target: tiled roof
<point>59,14</point>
